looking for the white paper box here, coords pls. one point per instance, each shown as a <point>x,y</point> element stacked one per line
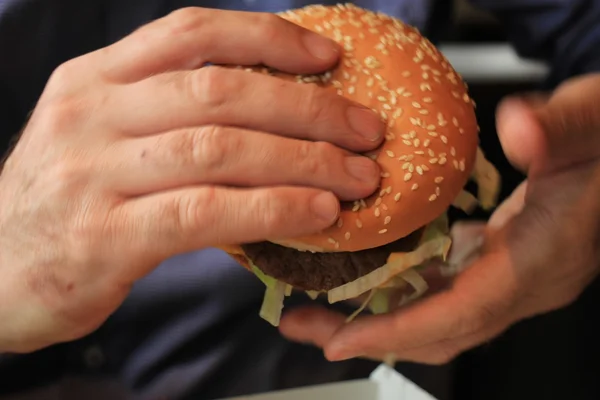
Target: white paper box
<point>383,384</point>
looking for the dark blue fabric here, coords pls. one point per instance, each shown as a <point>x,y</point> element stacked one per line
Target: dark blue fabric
<point>191,328</point>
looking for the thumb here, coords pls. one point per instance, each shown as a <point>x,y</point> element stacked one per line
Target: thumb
<point>542,137</point>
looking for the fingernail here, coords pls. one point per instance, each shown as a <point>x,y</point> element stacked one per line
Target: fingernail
<point>363,169</point>
<point>326,206</point>
<point>365,122</point>
<point>319,46</point>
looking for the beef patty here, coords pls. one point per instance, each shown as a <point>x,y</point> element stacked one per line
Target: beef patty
<point>323,271</point>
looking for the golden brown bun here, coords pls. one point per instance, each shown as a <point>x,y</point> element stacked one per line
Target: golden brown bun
<point>237,254</point>
<point>432,134</point>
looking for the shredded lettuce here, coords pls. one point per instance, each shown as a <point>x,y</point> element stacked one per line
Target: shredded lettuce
<point>275,293</point>
<point>362,307</point>
<point>434,243</point>
<point>466,202</point>
<point>313,294</point>
<point>488,181</point>
<point>380,303</point>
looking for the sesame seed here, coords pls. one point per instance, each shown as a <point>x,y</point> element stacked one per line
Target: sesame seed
<point>426,142</point>
<point>347,235</point>
<point>359,223</point>
<point>432,197</point>
<point>416,142</point>
<point>397,196</point>
<point>439,179</point>
<point>407,177</point>
<point>416,105</point>
<point>385,174</point>
<point>340,223</point>
<point>453,151</point>
<point>455,163</point>
<point>419,152</point>
<point>419,170</point>
<point>444,139</point>
<point>414,186</point>
<point>442,161</point>
<point>387,220</point>
<point>411,168</point>
<point>377,212</point>
<point>437,190</point>
<point>390,153</point>
<point>407,142</point>
<point>431,153</point>
<point>385,207</point>
<point>462,164</point>
<point>331,240</point>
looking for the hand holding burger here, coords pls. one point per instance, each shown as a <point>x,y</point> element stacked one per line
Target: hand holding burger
<point>541,248</point>
<point>430,152</point>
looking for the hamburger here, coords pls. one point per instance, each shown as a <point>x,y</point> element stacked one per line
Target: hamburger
<point>429,155</point>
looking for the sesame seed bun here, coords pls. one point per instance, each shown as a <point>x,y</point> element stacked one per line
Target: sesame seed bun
<point>432,133</point>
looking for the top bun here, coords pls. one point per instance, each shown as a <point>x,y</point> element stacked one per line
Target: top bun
<point>432,133</point>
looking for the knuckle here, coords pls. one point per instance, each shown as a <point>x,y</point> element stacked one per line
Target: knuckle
<point>62,76</point>
<point>185,19</point>
<point>210,86</point>
<point>314,104</point>
<point>314,158</point>
<point>269,26</point>
<point>59,116</point>
<point>194,210</point>
<point>273,212</point>
<point>212,146</point>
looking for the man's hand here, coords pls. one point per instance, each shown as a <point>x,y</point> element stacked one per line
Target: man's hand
<point>541,247</point>
<point>135,153</point>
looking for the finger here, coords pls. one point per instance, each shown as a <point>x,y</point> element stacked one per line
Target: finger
<point>520,133</point>
<point>445,350</point>
<point>190,37</point>
<point>561,133</point>
<point>237,157</point>
<point>162,225</point>
<point>314,325</point>
<point>221,96</point>
<point>467,308</point>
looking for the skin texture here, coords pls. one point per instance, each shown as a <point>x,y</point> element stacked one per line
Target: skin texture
<point>540,249</point>
<point>134,154</point>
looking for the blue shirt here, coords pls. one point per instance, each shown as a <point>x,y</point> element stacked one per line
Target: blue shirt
<point>191,328</point>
